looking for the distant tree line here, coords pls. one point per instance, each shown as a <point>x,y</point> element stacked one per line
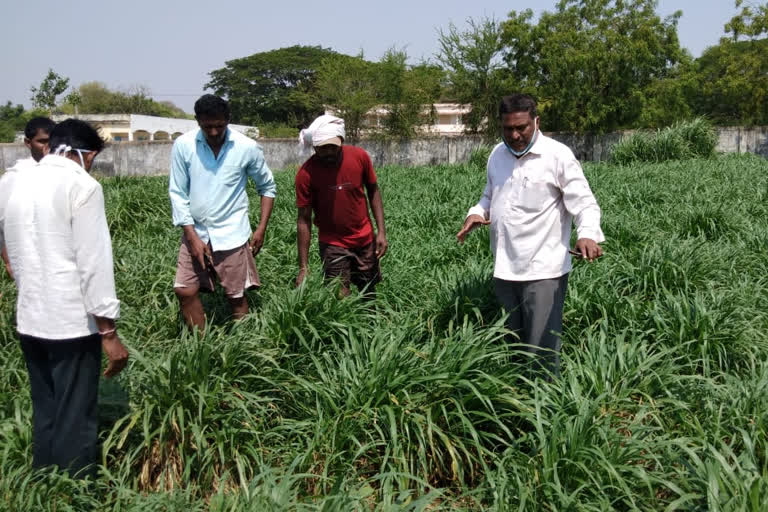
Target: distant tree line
<point>89,98</point>
<point>594,65</point>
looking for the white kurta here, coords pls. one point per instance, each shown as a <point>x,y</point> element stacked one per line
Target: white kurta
<point>53,223</point>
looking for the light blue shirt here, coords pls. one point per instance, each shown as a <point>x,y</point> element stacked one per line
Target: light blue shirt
<point>209,192</point>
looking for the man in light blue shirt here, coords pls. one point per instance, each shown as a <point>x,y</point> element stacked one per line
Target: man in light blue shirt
<point>209,171</point>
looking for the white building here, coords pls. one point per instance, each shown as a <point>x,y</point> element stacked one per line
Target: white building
<point>449,118</point>
<point>134,127</point>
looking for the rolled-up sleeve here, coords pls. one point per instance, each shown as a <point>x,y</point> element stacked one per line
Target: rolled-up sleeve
<point>178,188</point>
<point>579,200</point>
<point>93,255</point>
<point>261,175</point>
<point>483,208</point>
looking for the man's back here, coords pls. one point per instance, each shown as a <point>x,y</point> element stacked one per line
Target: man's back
<point>36,217</point>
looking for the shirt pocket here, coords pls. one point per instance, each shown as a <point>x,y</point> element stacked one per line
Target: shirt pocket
<point>231,175</point>
<point>532,196</point>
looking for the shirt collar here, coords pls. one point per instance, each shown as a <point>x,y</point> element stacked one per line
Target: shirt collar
<point>61,161</point>
<point>201,136</point>
<point>538,146</point>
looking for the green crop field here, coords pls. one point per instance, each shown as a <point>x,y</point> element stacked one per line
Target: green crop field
<point>312,403</point>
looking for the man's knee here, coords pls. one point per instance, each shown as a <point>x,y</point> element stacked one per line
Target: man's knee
<point>186,293</point>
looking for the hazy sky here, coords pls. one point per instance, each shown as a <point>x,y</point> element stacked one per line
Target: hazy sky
<point>171,46</point>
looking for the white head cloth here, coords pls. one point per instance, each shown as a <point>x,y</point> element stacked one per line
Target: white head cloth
<point>323,128</point>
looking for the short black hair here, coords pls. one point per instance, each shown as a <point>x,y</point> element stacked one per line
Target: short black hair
<point>211,106</point>
<point>518,102</point>
<point>36,124</point>
<point>77,134</point>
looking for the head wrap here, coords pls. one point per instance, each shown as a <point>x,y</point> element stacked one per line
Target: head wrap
<point>323,128</point>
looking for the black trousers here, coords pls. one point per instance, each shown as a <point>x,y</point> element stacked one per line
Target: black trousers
<point>536,315</point>
<point>64,377</point>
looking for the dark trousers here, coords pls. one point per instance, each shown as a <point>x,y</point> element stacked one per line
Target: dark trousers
<point>536,315</point>
<point>64,377</point>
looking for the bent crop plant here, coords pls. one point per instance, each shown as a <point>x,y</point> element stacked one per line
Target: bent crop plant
<point>314,403</point>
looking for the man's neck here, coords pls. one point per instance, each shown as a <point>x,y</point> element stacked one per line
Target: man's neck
<point>216,148</point>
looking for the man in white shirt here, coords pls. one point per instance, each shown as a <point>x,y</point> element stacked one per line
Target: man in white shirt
<point>535,189</point>
<point>36,134</point>
<point>53,224</point>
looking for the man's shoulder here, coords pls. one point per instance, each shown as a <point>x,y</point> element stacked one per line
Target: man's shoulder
<point>64,173</point>
<point>186,140</point>
<point>22,164</point>
<point>356,151</point>
<point>498,152</point>
<point>242,140</point>
<point>555,147</point>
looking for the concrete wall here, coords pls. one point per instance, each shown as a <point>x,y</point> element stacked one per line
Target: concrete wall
<point>152,158</point>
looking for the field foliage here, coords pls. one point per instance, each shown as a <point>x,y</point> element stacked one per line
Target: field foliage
<point>312,403</point>
<point>684,140</point>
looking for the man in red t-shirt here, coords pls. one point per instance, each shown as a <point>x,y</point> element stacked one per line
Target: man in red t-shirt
<point>333,183</point>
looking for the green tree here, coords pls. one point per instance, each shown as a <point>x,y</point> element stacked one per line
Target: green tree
<point>97,98</point>
<point>406,93</point>
<point>475,71</point>
<point>44,96</point>
<point>593,63</point>
<point>274,86</point>
<point>733,83</point>
<point>348,86</point>
<point>733,75</point>
<point>13,119</point>
<point>751,22</point>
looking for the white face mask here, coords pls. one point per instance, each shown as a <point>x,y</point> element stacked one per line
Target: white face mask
<point>521,154</point>
<point>63,148</point>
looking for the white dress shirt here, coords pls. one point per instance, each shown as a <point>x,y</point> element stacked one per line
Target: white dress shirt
<point>53,223</point>
<point>531,203</point>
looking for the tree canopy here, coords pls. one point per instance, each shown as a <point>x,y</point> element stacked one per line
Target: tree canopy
<point>271,86</point>
<point>591,62</point>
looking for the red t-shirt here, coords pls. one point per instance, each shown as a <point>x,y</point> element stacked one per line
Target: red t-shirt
<point>337,196</point>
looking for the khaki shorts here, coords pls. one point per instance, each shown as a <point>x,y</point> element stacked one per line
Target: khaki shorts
<point>358,265</point>
<point>234,268</point>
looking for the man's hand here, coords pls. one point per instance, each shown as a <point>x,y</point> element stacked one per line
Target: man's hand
<point>7,263</point>
<point>200,251</point>
<point>588,249</point>
<point>116,354</point>
<point>471,223</point>
<point>257,240</point>
<point>381,245</point>
<point>302,276</point>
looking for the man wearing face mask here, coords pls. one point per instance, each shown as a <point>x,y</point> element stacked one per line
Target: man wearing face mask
<point>535,189</point>
<point>333,184</point>
<point>53,223</point>
<point>209,170</point>
<point>36,135</point>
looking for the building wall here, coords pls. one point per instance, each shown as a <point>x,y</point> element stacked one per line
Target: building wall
<point>141,128</point>
<point>153,158</point>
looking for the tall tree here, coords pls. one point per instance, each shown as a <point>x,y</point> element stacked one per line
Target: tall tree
<point>591,61</point>
<point>733,75</point>
<point>273,86</point>
<point>407,93</point>
<point>348,85</point>
<point>44,96</point>
<point>475,71</point>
